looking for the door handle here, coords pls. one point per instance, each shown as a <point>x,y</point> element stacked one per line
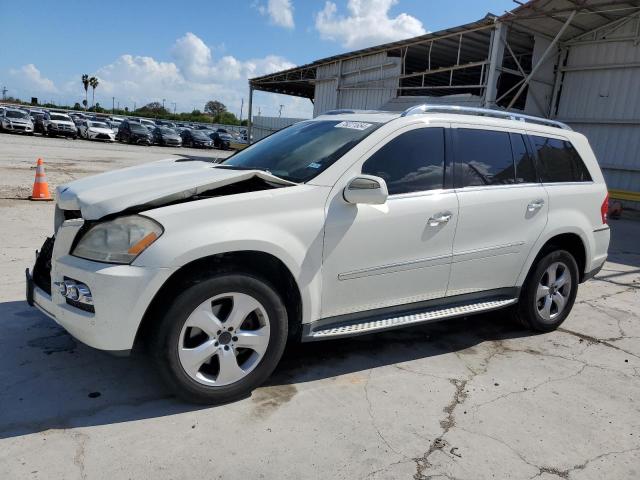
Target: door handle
<point>535,205</point>
<point>439,219</point>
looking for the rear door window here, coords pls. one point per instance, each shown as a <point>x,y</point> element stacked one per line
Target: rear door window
<point>483,157</point>
<point>411,162</point>
<point>525,167</point>
<point>559,161</point>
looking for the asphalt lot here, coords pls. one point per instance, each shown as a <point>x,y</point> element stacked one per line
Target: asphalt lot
<point>475,398</point>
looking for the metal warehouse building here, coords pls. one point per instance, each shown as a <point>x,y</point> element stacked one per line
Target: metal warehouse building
<point>577,61</point>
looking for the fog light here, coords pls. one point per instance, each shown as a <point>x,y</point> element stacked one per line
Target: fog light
<point>75,291</point>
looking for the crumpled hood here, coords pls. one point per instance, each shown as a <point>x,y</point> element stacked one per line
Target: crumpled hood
<point>150,185</point>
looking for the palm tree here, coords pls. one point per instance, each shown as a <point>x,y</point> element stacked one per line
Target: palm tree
<point>93,81</point>
<point>85,84</point>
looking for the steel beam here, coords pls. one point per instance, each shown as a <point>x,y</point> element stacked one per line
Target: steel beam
<point>542,59</point>
<point>249,119</point>
<point>496,54</point>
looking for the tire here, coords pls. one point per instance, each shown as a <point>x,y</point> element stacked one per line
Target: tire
<point>177,341</point>
<point>544,303</point>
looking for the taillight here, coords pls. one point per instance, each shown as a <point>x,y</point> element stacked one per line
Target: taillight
<point>604,210</point>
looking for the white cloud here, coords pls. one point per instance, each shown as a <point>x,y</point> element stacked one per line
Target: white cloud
<point>193,77</point>
<point>368,23</point>
<point>280,12</point>
<point>32,78</point>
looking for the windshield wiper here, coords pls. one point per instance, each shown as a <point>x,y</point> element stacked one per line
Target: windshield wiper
<point>239,167</point>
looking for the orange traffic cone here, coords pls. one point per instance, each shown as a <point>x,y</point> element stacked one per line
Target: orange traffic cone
<point>40,185</point>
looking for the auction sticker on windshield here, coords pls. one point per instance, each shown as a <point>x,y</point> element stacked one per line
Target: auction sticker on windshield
<point>354,125</point>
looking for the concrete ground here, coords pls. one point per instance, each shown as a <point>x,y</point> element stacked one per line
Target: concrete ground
<point>474,398</point>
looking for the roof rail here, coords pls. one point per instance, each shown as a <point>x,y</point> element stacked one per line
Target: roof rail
<point>487,112</point>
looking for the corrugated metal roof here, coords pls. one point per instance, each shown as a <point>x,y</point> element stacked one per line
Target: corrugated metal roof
<point>542,17</point>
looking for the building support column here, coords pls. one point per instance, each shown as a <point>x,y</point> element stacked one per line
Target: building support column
<point>496,54</point>
<point>249,118</point>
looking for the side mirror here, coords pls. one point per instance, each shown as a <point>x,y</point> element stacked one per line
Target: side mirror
<point>366,189</point>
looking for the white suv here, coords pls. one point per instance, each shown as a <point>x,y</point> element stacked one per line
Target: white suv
<point>351,223</point>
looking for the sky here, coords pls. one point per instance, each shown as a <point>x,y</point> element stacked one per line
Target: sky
<point>190,52</point>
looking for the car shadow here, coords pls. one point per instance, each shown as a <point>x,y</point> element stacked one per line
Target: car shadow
<point>51,381</point>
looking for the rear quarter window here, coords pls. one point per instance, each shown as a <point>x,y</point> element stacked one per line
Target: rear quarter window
<point>559,161</point>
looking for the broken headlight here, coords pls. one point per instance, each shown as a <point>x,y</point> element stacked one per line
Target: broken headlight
<point>119,240</point>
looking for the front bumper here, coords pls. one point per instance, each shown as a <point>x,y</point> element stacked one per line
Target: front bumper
<point>102,136</point>
<point>121,295</point>
<point>62,132</point>
<point>18,128</point>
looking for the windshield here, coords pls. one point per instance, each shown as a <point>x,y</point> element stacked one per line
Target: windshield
<point>136,127</point>
<point>301,151</point>
<point>200,134</point>
<point>15,114</point>
<point>167,131</point>
<point>98,125</point>
<point>63,118</point>
<point>222,130</point>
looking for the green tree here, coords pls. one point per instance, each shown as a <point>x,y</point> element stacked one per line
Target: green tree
<point>85,84</point>
<point>94,82</point>
<point>215,108</point>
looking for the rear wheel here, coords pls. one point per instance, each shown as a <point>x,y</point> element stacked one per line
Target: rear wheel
<point>549,292</point>
<point>221,338</point>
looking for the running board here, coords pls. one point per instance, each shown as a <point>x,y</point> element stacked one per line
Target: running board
<point>374,323</point>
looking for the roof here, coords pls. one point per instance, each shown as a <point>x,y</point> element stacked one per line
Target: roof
<point>547,17</point>
<point>299,81</point>
<point>539,17</point>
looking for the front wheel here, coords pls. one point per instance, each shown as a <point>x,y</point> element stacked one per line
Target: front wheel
<point>549,292</point>
<point>221,338</point>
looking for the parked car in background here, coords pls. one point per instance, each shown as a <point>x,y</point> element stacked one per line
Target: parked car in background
<point>221,138</point>
<point>165,123</point>
<point>147,123</point>
<point>56,124</point>
<point>166,136</point>
<point>15,120</point>
<point>134,132</point>
<point>38,122</point>
<point>195,138</point>
<point>94,130</point>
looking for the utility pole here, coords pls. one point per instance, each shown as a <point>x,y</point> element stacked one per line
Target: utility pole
<point>118,105</point>
<point>259,111</point>
<point>134,106</point>
<point>241,107</point>
<point>163,103</point>
<point>174,107</point>
<point>4,93</point>
<point>113,105</point>
<point>280,111</point>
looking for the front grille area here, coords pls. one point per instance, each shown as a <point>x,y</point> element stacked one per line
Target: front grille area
<point>42,267</point>
<point>102,136</point>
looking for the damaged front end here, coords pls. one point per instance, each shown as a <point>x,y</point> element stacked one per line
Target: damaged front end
<point>156,184</point>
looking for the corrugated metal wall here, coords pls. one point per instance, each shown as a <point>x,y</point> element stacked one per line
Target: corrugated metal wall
<point>604,103</point>
<point>342,84</point>
<point>265,126</point>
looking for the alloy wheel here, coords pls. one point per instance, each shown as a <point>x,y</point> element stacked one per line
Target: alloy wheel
<point>224,339</point>
<point>554,289</point>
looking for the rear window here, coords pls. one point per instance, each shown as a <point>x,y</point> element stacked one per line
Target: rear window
<point>559,161</point>
<point>483,157</point>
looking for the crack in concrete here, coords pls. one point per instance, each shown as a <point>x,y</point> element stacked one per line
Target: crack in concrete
<point>594,340</point>
<point>79,457</point>
<point>567,472</point>
<point>373,420</point>
<point>460,395</point>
